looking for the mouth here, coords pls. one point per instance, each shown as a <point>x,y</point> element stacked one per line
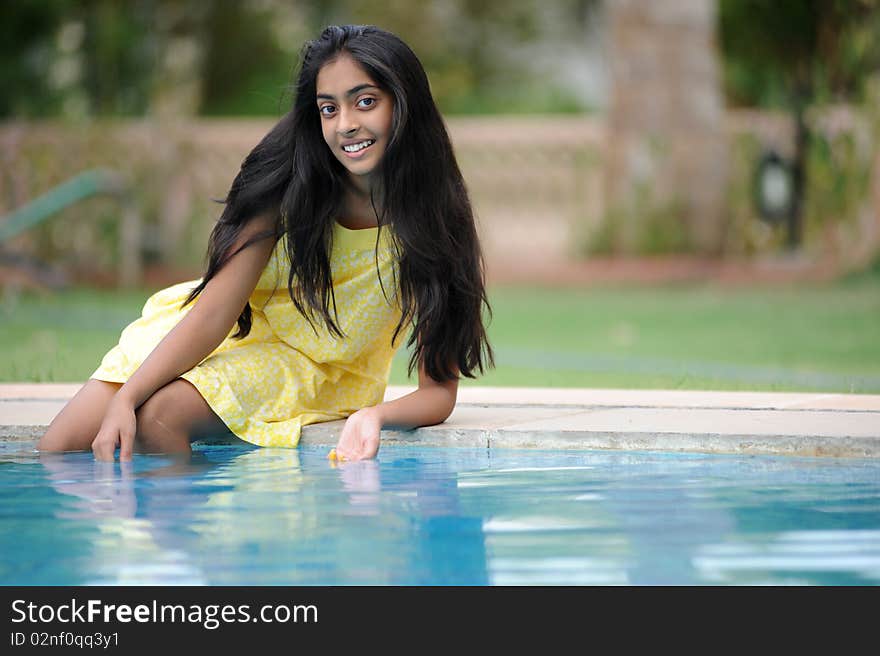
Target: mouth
<point>356,150</point>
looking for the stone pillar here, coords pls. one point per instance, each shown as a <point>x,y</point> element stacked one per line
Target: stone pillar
<point>666,153</point>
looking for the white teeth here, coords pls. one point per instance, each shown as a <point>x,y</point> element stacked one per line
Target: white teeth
<point>353,148</point>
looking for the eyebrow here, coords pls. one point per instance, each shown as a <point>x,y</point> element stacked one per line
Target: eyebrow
<point>349,93</point>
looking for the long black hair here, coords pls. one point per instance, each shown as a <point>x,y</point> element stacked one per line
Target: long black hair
<point>418,191</point>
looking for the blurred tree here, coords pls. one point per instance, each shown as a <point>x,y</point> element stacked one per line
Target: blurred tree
<point>792,53</point>
<point>779,50</point>
<point>77,58</point>
<point>271,33</point>
<point>468,47</point>
<point>84,58</point>
<point>118,51</point>
<point>177,40</point>
<point>27,31</point>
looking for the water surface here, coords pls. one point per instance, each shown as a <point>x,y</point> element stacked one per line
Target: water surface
<point>235,515</point>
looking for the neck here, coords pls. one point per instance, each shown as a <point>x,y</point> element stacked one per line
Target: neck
<point>357,210</point>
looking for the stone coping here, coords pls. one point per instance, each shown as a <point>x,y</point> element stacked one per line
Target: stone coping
<point>791,423</point>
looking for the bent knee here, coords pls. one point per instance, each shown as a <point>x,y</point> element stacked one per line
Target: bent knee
<point>46,444</point>
<point>167,408</point>
<point>171,417</point>
<point>58,441</point>
<point>156,423</point>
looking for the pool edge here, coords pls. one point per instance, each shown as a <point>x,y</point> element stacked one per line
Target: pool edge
<point>798,424</point>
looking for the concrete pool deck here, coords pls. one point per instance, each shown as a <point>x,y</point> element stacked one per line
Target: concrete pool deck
<point>791,423</point>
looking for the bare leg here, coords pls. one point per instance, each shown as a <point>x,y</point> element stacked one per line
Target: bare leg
<point>174,416</point>
<point>75,427</point>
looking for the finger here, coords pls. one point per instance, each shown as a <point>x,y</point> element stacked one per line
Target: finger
<point>126,446</point>
<point>100,450</point>
<point>125,468</point>
<point>96,446</point>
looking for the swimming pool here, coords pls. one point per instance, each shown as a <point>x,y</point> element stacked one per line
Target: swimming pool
<point>235,515</point>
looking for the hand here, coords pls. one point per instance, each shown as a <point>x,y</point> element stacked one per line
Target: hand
<point>117,429</point>
<point>360,435</point>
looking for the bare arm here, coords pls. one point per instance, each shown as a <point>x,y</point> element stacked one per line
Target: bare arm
<point>208,323</point>
<point>430,404</point>
<point>201,331</point>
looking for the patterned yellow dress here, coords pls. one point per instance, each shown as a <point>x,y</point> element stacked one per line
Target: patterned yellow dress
<point>283,376</point>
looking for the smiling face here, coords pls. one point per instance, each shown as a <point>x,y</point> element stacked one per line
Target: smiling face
<point>355,117</point>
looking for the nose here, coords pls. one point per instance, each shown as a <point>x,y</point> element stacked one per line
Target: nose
<point>348,124</point>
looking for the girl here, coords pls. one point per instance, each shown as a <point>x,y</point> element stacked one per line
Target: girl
<point>354,200</point>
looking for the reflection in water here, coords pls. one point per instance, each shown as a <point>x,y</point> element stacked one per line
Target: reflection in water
<point>234,515</point>
<point>131,509</point>
<point>444,545</point>
<point>645,519</point>
<point>229,516</point>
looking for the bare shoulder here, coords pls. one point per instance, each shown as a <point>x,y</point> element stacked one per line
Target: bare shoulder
<point>262,223</point>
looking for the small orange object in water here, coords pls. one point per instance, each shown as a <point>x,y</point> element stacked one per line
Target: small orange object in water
<point>332,455</point>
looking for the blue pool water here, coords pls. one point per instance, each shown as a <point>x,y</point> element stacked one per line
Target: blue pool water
<point>235,515</point>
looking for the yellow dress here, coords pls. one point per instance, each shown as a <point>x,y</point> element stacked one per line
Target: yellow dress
<point>283,376</point>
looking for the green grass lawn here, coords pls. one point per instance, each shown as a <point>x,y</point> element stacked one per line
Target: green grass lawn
<point>816,338</point>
